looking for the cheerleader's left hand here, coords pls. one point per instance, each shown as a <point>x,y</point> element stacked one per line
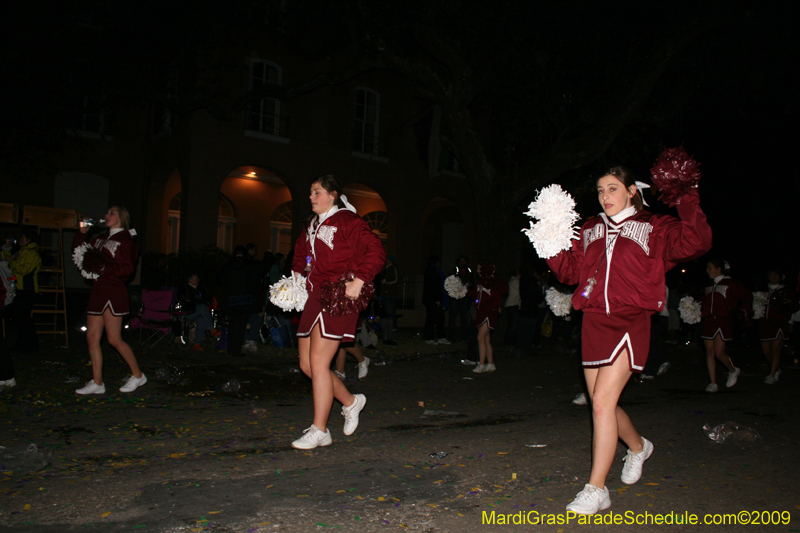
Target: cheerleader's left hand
<point>353,289</point>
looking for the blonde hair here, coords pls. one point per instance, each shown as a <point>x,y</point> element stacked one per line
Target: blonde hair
<point>124,216</point>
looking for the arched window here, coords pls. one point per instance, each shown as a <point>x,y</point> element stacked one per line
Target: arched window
<point>226,224</point>
<point>378,222</point>
<point>281,228</point>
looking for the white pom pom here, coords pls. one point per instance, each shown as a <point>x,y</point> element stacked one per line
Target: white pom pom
<point>289,293</point>
<point>560,302</point>
<point>454,287</point>
<point>759,304</point>
<point>690,310</point>
<point>555,210</point>
<point>77,258</point>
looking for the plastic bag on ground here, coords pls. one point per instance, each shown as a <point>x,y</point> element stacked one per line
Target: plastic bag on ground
<point>24,459</point>
<point>731,430</point>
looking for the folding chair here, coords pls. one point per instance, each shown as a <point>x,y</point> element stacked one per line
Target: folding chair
<point>154,320</point>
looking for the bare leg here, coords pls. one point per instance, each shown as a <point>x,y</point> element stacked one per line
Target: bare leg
<point>772,351</point>
<point>316,354</point>
<point>355,351</point>
<point>483,334</point>
<point>711,361</point>
<point>114,333</point>
<point>605,385</point>
<point>94,332</point>
<point>341,355</point>
<point>489,349</point>
<point>719,351</point>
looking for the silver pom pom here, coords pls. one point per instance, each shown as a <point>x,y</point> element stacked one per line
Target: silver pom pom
<point>560,302</point>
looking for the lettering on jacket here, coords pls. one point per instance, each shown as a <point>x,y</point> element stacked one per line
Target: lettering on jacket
<point>325,234</point>
<point>638,232</point>
<point>722,289</point>
<point>112,247</point>
<point>592,234</point>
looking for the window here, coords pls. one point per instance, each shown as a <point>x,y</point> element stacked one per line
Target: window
<point>448,162</point>
<point>92,120</point>
<point>226,224</point>
<point>264,116</point>
<point>281,228</point>
<point>367,119</point>
<point>164,120</point>
<point>378,222</point>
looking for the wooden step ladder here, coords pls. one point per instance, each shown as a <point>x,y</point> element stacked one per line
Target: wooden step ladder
<point>50,313</point>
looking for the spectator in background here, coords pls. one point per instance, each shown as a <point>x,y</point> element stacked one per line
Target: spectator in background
<point>460,308</point>
<point>512,309</point>
<point>25,264</point>
<point>241,289</point>
<point>388,297</point>
<point>434,298</point>
<point>530,313</point>
<point>194,298</point>
<point>6,363</point>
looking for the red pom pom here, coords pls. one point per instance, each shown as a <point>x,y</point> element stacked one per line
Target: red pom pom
<point>334,299</point>
<point>93,260</point>
<point>675,173</point>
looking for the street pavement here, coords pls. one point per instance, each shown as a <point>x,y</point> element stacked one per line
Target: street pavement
<point>438,447</point>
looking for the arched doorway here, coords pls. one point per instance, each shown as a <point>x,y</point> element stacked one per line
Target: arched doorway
<point>263,208</point>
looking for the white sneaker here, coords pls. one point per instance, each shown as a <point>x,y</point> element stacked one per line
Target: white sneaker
<point>777,375</point>
<point>363,367</point>
<point>350,414</point>
<point>443,341</point>
<point>479,369</point>
<point>646,377</point>
<point>8,383</point>
<point>340,375</point>
<point>733,377</point>
<point>133,383</point>
<point>489,368</point>
<point>92,388</point>
<point>581,399</point>
<point>770,380</point>
<point>712,387</point>
<point>590,500</point>
<point>313,437</point>
<point>663,368</point>
<point>634,462</point>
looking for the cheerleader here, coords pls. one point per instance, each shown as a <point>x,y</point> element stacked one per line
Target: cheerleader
<point>619,265</point>
<point>487,295</point>
<point>336,243</point>
<point>781,303</point>
<point>725,298</point>
<point>108,303</point>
